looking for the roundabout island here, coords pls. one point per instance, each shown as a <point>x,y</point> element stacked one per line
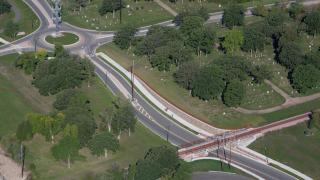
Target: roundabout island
<point>62,39</point>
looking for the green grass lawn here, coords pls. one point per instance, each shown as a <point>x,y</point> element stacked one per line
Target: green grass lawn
<point>261,96</point>
<point>183,5</point>
<point>212,165</point>
<point>27,19</point>
<point>137,14</point>
<point>13,107</point>
<point>64,39</point>
<point>291,147</point>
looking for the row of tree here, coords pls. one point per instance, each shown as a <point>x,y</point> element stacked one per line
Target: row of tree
<point>72,125</point>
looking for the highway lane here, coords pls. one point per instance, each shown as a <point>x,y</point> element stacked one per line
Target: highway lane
<point>178,135</point>
<point>161,122</point>
<point>265,171</point>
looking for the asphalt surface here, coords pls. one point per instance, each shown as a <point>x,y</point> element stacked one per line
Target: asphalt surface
<point>217,176</point>
<point>262,170</point>
<point>89,41</point>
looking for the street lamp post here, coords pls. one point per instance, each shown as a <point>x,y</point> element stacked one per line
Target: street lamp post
<point>57,14</point>
<point>132,81</point>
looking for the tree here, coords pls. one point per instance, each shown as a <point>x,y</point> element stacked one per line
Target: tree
<point>28,62</point>
<point>233,40</point>
<point>253,40</point>
<point>71,130</point>
<point>201,40</point>
<point>295,9</point>
<point>77,5</point>
<point>191,24</point>
<point>261,73</point>
<point>101,143</point>
<point>67,149</point>
<point>63,72</point>
<point>106,117</point>
<point>24,131</point>
<point>160,59</point>
<point>313,58</point>
<point>71,97</point>
<point>84,120</point>
<point>274,23</point>
<point>185,75</point>
<point>156,37</point>
<point>233,68</point>
<point>202,12</point>
<point>305,77</point>
<point>290,55</point>
<point>46,125</point>
<point>312,20</point>
<point>260,10</point>
<point>208,83</point>
<point>124,37</point>
<point>158,162</point>
<point>109,6</point>
<point>11,29</point>
<point>124,120</point>
<point>233,15</point>
<point>5,7</point>
<point>234,94</point>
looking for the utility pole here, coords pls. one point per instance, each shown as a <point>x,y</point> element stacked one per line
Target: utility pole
<point>22,156</point>
<point>35,44</point>
<point>120,11</point>
<point>132,81</point>
<point>57,14</point>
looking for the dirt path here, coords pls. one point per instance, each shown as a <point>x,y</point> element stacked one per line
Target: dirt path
<point>166,7</point>
<point>16,10</point>
<point>9,169</point>
<point>278,90</point>
<point>289,102</point>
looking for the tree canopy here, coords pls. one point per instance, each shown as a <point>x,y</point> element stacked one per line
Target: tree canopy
<point>67,149</point>
<point>124,37</point>
<point>5,7</point>
<point>233,40</point>
<point>208,83</point>
<point>101,143</point>
<point>312,20</point>
<point>233,15</point>
<point>158,162</point>
<point>234,93</point>
<point>305,77</point>
<point>62,72</point>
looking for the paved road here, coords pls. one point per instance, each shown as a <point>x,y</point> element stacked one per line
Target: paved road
<point>262,170</point>
<point>89,40</point>
<point>217,176</point>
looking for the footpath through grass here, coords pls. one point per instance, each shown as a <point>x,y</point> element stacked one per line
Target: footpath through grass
<point>64,39</point>
<point>28,23</point>
<point>291,147</point>
<point>135,13</point>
